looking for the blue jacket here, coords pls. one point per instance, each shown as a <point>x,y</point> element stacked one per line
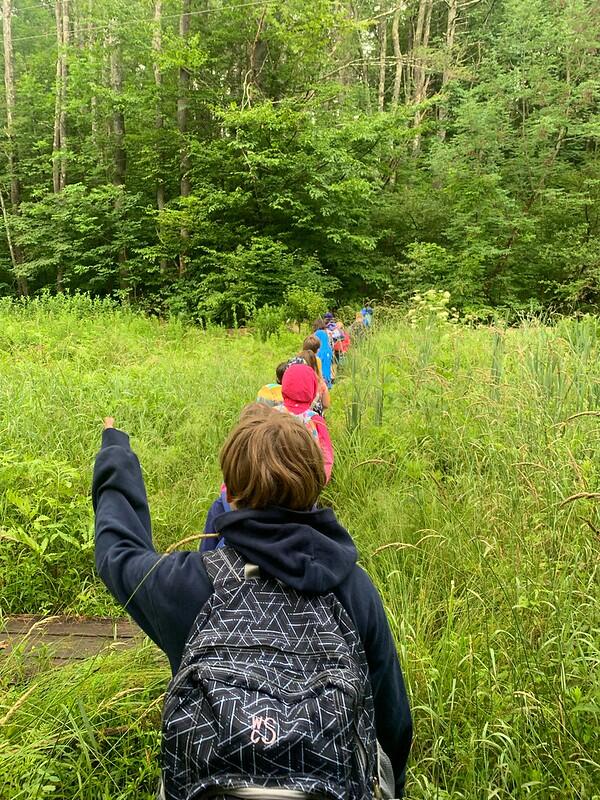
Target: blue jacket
<point>309,551</point>
<point>325,353</point>
<point>220,506</point>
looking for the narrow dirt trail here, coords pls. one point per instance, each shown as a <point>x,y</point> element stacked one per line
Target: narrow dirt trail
<point>60,640</point>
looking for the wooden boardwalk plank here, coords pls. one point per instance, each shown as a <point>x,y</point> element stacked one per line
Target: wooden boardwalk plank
<point>70,626</point>
<point>63,639</point>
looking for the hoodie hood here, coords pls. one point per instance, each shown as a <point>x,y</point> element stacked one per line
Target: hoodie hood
<point>307,550</point>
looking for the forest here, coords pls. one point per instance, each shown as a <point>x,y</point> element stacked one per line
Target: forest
<point>202,157</point>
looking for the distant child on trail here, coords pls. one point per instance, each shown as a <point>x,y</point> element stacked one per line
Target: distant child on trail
<point>341,344</point>
<point>367,315</point>
<point>357,329</point>
<point>312,343</point>
<point>325,352</point>
<point>336,336</point>
<point>286,677</point>
<point>299,389</point>
<point>334,327</point>
<point>270,393</point>
<point>322,401</point>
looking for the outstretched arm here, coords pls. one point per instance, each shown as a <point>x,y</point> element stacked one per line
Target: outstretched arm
<point>125,555</point>
<point>163,593</point>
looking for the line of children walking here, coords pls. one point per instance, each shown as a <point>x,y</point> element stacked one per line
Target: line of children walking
<point>300,397</point>
<point>286,676</point>
<point>304,381</point>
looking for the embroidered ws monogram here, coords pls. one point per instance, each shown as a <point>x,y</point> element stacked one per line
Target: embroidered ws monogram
<point>273,693</point>
<point>264,729</point>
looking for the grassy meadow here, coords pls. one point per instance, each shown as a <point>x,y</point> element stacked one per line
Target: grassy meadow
<point>466,468</point>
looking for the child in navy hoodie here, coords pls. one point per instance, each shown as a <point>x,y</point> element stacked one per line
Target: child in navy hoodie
<point>271,526</point>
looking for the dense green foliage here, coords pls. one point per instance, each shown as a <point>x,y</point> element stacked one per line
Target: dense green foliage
<point>358,149</point>
<point>460,470</point>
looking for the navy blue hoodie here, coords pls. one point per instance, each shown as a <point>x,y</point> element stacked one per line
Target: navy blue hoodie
<point>309,551</point>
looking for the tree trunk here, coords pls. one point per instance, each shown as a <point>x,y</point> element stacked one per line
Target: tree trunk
<point>118,133</point>
<point>416,43</point>
<point>410,60</point>
<point>63,94</point>
<point>450,33</point>
<point>15,186</point>
<point>420,77</point>
<point>118,118</point>
<point>159,120</point>
<point>182,123</point>
<point>256,60</point>
<point>94,99</point>
<point>421,41</point>
<point>398,71</point>
<point>364,60</point>
<point>59,156</point>
<point>158,81</point>
<point>58,96</point>
<point>397,55</point>
<point>9,86</point>
<point>382,62</point>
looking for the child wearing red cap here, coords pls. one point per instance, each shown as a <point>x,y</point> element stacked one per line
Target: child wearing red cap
<point>299,388</point>
<point>322,401</point>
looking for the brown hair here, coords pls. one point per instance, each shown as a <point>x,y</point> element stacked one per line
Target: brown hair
<point>310,359</point>
<point>311,343</point>
<point>280,371</point>
<point>270,459</point>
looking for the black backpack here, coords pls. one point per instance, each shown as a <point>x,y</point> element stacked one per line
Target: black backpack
<point>272,698</point>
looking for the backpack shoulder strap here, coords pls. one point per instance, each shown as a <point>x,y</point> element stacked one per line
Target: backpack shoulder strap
<point>224,566</point>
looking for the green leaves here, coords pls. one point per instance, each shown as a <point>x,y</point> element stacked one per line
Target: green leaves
<point>268,321</point>
<point>45,524</point>
<point>80,231</point>
<point>304,304</point>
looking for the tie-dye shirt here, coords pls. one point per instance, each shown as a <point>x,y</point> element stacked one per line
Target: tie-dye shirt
<point>270,395</point>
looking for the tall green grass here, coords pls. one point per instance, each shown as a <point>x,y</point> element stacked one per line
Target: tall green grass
<point>64,364</point>
<point>464,500</point>
<point>466,467</point>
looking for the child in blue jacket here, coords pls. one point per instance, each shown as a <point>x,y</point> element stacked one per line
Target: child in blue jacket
<point>325,352</point>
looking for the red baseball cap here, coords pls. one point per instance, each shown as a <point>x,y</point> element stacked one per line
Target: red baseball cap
<point>299,388</point>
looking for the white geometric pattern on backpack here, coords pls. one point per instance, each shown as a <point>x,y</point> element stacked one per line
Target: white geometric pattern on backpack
<point>273,691</point>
